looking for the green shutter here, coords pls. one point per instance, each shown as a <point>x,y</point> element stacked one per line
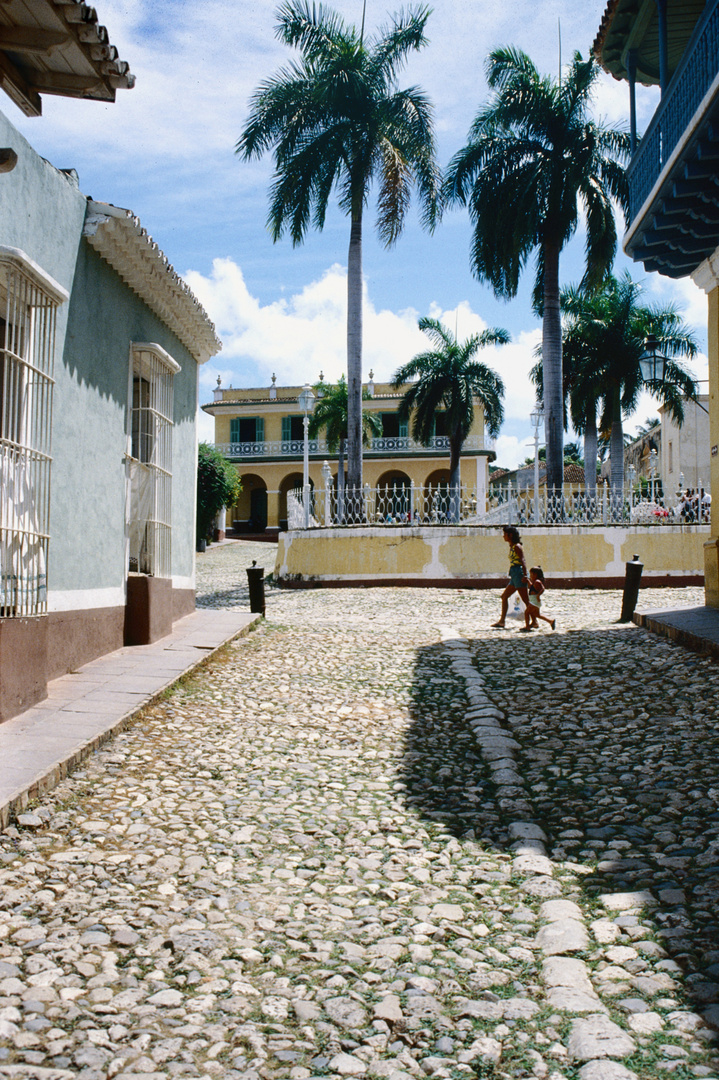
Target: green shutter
<point>286,429</point>
<point>260,429</point>
<point>403,432</point>
<point>235,429</point>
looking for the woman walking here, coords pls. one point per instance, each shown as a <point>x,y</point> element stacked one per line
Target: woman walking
<point>518,580</point>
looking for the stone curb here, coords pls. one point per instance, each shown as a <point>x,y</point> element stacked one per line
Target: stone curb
<point>48,778</point>
<point>594,1040</point>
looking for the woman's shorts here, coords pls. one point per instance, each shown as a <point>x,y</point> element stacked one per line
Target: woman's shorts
<point>516,576</point>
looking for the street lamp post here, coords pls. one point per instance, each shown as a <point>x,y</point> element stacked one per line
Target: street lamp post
<point>537,418</point>
<point>632,472</point>
<point>306,401</point>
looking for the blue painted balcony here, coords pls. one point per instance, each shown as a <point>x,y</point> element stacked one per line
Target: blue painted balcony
<point>674,174</point>
<point>398,447</point>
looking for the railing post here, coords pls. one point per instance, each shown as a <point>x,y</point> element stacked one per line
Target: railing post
<point>327,474</point>
<point>411,502</point>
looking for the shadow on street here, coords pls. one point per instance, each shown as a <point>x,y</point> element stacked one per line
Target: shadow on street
<point>620,757</point>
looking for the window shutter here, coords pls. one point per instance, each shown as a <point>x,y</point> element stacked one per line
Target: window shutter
<point>286,429</point>
<point>235,429</point>
<point>403,429</point>
<point>260,429</point>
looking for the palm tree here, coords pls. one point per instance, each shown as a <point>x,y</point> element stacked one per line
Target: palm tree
<point>337,121</point>
<point>449,378</point>
<point>533,157</point>
<point>583,390</point>
<point>330,416</point>
<point>604,334</point>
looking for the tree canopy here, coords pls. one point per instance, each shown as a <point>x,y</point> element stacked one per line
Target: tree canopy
<point>337,122</point>
<point>534,158</point>
<point>218,485</point>
<point>449,378</point>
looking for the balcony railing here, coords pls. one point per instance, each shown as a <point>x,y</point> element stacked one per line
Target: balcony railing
<point>683,96</point>
<point>318,447</point>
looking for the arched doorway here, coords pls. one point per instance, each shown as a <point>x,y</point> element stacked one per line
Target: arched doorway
<point>291,482</point>
<point>393,497</point>
<point>249,513</point>
<point>436,497</point>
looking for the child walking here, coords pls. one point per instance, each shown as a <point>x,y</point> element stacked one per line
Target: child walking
<point>518,580</point>
<point>532,612</point>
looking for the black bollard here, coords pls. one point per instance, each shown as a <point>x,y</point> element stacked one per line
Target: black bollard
<point>632,581</point>
<point>256,583</point>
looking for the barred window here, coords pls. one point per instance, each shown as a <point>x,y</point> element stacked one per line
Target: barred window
<point>28,303</point>
<point>150,460</point>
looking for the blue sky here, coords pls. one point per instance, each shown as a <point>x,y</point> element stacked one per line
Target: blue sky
<point>165,150</point>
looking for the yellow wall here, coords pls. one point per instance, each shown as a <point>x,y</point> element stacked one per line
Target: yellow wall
<point>374,553</point>
<point>711,548</point>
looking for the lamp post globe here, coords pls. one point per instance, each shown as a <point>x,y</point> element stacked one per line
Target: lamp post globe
<point>652,363</point>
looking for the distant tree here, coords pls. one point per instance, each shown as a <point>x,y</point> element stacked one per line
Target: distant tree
<point>449,378</point>
<point>218,485</point>
<point>646,427</point>
<point>331,416</point>
<point>337,121</point>
<point>532,159</point>
<point>604,332</point>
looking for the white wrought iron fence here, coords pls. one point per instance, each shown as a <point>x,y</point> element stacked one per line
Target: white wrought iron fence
<point>408,504</point>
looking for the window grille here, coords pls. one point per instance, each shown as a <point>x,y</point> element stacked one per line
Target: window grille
<point>28,302</point>
<point>150,460</point>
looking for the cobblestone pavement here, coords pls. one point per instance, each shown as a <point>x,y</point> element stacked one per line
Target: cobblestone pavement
<point>376,838</point>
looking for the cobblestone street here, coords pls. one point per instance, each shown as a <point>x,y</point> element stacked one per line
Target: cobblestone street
<point>378,838</point>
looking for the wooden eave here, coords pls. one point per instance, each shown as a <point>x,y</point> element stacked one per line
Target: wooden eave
<point>120,239</point>
<point>633,24</point>
<point>57,47</point>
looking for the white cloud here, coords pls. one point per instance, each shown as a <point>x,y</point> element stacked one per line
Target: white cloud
<point>511,451</point>
<point>300,335</point>
<point>688,298</point>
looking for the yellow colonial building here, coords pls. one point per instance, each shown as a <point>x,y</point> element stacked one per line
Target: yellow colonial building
<point>260,430</point>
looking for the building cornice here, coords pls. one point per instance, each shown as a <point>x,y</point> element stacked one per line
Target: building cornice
<point>120,239</point>
<point>706,275</point>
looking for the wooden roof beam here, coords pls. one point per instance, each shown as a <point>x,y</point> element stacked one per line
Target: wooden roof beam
<point>18,89</point>
<point>56,82</point>
<point>30,39</point>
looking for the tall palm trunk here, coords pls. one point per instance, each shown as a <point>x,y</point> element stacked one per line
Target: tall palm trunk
<point>591,443</point>
<point>354,354</point>
<point>341,484</point>
<point>616,446</point>
<point>455,483</point>
<point>552,371</point>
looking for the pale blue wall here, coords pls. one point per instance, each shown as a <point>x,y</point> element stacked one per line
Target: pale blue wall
<point>42,212</point>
